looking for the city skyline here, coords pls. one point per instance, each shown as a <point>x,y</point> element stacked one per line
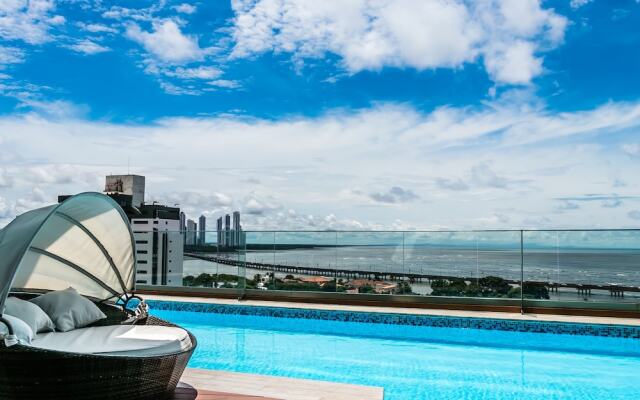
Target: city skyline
<point>520,114</point>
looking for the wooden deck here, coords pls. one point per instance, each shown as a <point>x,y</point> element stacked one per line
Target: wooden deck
<point>202,384</point>
<point>187,392</point>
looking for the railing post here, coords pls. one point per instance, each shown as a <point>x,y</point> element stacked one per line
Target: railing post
<point>521,272</point>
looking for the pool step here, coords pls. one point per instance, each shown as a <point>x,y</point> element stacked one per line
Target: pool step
<point>274,387</point>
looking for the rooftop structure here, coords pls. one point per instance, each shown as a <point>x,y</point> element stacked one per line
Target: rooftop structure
<point>132,185</point>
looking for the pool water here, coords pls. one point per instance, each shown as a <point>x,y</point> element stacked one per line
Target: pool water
<point>438,368</point>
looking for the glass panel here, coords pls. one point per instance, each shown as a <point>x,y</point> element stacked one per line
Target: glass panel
<point>371,263</point>
<point>259,254</point>
<point>464,264</point>
<point>304,261</point>
<point>200,267</point>
<point>592,266</point>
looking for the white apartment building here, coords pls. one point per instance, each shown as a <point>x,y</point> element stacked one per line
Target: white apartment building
<point>159,251</point>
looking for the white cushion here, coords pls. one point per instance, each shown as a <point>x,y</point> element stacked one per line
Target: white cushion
<point>32,314</point>
<point>21,330</point>
<point>68,309</point>
<point>131,340</point>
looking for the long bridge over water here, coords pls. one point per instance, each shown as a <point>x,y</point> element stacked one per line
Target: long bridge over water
<point>585,289</point>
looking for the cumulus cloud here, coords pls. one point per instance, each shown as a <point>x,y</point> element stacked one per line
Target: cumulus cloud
<point>370,35</point>
<point>201,72</point>
<point>451,184</point>
<point>257,204</point>
<point>10,55</point>
<point>5,180</point>
<point>28,20</point>
<point>224,83</point>
<point>303,163</point>
<point>87,46</point>
<point>632,149</point>
<point>568,206</point>
<point>166,42</point>
<point>483,175</point>
<point>185,8</point>
<point>394,195</point>
<point>575,4</point>
<point>96,28</point>
<point>195,202</point>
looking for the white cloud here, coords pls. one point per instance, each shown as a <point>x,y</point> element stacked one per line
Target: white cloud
<point>176,90</point>
<point>5,211</point>
<point>6,181</point>
<point>515,63</point>
<point>88,47</point>
<point>463,164</point>
<point>394,195</point>
<point>10,55</point>
<point>370,35</point>
<point>632,149</point>
<point>575,4</point>
<point>166,42</point>
<point>256,204</point>
<point>28,20</point>
<point>225,83</point>
<point>185,8</point>
<point>202,72</point>
<point>483,175</point>
<point>55,110</point>
<point>96,28</point>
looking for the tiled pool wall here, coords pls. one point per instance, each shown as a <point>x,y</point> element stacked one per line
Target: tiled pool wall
<point>606,339</point>
<point>567,328</point>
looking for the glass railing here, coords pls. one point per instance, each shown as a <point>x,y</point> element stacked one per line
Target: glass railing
<point>562,265</point>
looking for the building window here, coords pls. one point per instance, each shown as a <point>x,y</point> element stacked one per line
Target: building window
<point>140,222</point>
<point>142,241</point>
<point>142,251</point>
<point>142,271</point>
<point>142,261</point>
<point>155,222</point>
<point>141,281</point>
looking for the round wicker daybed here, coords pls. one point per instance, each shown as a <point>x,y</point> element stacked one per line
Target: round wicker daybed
<point>85,243</point>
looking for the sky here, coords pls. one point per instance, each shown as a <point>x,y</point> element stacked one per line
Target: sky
<point>339,114</point>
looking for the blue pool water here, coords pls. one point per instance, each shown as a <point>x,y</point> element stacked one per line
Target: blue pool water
<point>447,363</point>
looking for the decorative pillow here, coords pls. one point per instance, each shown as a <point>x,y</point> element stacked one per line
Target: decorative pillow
<point>30,313</point>
<point>20,329</point>
<point>69,310</point>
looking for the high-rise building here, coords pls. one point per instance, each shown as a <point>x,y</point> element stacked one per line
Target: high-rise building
<point>227,230</point>
<point>192,232</point>
<point>131,185</point>
<point>183,224</point>
<point>202,229</point>
<point>159,245</point>
<point>235,242</point>
<point>219,232</point>
<point>230,235</point>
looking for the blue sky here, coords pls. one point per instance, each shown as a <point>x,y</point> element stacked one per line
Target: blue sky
<point>385,114</point>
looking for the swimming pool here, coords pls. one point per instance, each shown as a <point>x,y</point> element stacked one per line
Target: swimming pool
<point>416,357</point>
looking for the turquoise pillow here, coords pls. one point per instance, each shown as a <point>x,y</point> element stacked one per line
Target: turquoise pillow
<point>30,313</point>
<point>21,330</point>
<point>69,310</point>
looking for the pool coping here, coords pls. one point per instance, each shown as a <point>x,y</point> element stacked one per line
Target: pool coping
<point>557,318</point>
<point>277,387</point>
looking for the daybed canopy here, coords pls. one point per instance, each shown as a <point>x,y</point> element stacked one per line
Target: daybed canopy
<point>84,242</point>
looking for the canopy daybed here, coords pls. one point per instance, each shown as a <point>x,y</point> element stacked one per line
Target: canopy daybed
<point>84,243</point>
